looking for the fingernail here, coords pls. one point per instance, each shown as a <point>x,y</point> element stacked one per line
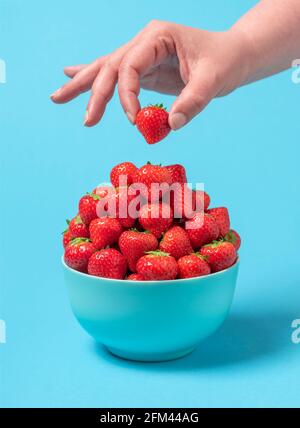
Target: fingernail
<point>130,117</point>
<point>177,120</point>
<point>86,117</point>
<point>55,93</point>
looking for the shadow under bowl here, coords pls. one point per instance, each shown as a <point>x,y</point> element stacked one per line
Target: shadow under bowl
<point>151,320</point>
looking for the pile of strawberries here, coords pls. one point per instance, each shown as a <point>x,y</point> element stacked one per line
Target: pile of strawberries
<point>152,246</point>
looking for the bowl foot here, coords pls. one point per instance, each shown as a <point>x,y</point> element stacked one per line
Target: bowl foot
<point>150,357</point>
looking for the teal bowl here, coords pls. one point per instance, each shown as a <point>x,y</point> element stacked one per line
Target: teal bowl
<point>153,320</point>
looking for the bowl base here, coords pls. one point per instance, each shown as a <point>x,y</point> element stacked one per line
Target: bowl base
<point>149,357</point>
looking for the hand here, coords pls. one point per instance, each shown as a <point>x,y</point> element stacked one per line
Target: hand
<point>194,64</point>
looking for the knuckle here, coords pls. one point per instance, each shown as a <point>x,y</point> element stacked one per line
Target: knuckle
<point>198,101</point>
<point>157,25</point>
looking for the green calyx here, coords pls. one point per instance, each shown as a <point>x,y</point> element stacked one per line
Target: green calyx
<point>160,106</point>
<point>94,196</point>
<point>150,163</point>
<point>157,253</point>
<point>134,229</point>
<point>230,237</point>
<point>214,244</point>
<point>200,256</point>
<point>77,241</point>
<point>78,219</point>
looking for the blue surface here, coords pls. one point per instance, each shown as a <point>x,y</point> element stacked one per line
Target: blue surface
<point>245,148</point>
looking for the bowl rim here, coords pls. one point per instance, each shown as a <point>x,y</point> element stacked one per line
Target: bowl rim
<point>146,283</point>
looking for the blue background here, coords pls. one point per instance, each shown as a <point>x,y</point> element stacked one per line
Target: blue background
<point>244,147</point>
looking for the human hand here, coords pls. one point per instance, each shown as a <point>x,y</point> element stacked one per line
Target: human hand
<point>196,65</point>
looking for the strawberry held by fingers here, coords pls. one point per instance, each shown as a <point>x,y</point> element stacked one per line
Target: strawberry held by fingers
<point>220,255</point>
<point>152,122</point>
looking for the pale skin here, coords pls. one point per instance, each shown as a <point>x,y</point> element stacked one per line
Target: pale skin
<point>193,64</point>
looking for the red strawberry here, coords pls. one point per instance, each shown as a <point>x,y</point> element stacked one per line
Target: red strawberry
<point>78,229</point>
<point>233,237</point>
<point>102,191</point>
<point>219,254</point>
<point>133,245</point>
<point>156,218</point>
<point>88,207</point>
<point>157,266</point>
<point>78,252</point>
<point>135,277</point>
<point>176,242</point>
<point>116,205</point>
<point>109,263</point>
<point>178,174</point>
<point>125,168</point>
<point>222,218</point>
<point>152,122</point>
<point>152,174</point>
<point>67,238</point>
<point>185,201</point>
<point>105,231</point>
<point>193,265</point>
<point>202,229</point>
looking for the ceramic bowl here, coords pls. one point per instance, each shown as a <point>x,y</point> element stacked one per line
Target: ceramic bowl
<point>153,320</point>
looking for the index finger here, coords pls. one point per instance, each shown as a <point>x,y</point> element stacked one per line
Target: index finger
<point>134,64</point>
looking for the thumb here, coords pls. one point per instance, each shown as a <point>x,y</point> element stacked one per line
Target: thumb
<point>195,96</point>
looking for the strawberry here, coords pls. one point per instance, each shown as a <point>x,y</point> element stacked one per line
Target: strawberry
<point>108,263</point>
<point>193,265</point>
<point>148,175</point>
<point>88,207</point>
<point>176,242</point>
<point>77,228</point>
<point>133,245</point>
<point>185,201</point>
<point>126,169</point>
<point>78,253</point>
<point>157,266</point>
<point>67,238</point>
<point>135,277</point>
<point>102,191</point>
<point>202,229</point>
<point>222,218</point>
<point>178,173</point>
<point>105,231</point>
<point>152,122</point>
<point>219,254</point>
<point>233,237</point>
<point>116,205</point>
<point>156,218</point>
